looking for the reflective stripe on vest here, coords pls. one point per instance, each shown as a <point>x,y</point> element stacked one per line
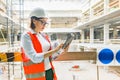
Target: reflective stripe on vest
<point>41,74</point>
<point>34,71</point>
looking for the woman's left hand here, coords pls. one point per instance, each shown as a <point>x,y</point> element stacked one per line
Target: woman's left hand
<point>66,49</point>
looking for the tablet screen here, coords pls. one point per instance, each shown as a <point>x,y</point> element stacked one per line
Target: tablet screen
<point>69,39</point>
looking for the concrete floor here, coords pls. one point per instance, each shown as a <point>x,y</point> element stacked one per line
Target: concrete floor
<point>87,71</point>
<point>64,71</point>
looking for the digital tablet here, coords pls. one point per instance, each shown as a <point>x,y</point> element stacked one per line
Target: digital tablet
<point>69,39</point>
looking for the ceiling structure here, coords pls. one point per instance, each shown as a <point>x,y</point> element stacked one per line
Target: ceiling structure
<point>63,13</point>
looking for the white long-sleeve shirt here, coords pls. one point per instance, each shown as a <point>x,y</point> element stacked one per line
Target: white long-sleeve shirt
<point>27,45</point>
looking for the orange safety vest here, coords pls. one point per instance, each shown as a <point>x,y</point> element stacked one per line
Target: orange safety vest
<point>35,71</point>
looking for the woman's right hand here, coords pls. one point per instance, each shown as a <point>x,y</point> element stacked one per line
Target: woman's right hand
<point>58,47</point>
<point>49,53</point>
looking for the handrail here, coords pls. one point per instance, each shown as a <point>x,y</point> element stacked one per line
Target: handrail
<point>10,57</point>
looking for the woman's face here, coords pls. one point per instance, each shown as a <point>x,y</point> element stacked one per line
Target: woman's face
<point>40,24</point>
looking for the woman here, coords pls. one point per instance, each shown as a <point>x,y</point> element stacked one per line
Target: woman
<point>36,49</point>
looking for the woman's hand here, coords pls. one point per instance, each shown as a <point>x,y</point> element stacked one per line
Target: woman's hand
<point>66,49</point>
<point>49,53</point>
<point>58,47</point>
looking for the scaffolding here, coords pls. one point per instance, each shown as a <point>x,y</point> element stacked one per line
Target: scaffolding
<point>9,28</point>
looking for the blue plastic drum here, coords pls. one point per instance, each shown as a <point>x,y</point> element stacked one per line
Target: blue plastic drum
<point>106,56</point>
<point>118,56</point>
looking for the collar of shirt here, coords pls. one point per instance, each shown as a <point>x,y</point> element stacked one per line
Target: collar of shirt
<point>33,32</point>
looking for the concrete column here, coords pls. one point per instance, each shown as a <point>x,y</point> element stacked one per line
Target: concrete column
<point>15,36</point>
<point>82,36</point>
<point>106,33</point>
<point>115,33</point>
<point>91,35</point>
<point>106,6</point>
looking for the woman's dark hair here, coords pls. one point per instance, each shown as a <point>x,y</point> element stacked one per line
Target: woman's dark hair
<point>32,25</point>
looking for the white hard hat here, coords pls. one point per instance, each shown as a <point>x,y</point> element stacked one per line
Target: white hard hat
<point>38,12</point>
